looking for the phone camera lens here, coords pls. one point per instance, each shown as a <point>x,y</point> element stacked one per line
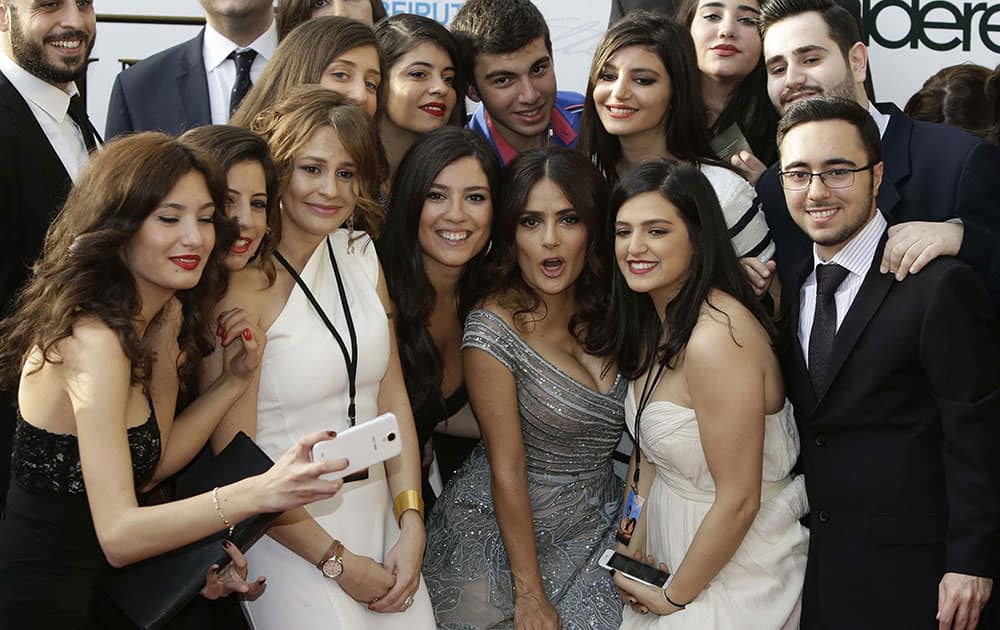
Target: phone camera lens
<point>391,437</point>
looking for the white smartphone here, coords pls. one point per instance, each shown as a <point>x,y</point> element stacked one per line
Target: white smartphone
<point>363,445</point>
<point>633,569</point>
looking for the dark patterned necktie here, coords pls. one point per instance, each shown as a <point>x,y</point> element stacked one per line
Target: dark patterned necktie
<point>824,328</point>
<point>78,113</point>
<point>243,60</point>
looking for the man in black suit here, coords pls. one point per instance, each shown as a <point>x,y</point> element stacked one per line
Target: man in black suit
<point>941,193</point>
<point>896,389</point>
<point>200,81</point>
<point>45,139</point>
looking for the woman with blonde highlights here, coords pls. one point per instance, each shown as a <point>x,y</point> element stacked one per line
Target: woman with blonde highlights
<point>331,351</point>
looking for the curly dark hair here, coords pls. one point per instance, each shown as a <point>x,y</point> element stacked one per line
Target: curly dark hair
<point>403,261</point>
<point>82,271</point>
<point>587,191</point>
<point>402,33</point>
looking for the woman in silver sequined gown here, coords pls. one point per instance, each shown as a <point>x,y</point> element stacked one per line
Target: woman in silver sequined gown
<point>550,414</point>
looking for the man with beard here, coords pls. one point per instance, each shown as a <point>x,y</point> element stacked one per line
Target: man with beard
<point>941,192</point>
<point>896,390</point>
<point>45,138</point>
<point>201,81</point>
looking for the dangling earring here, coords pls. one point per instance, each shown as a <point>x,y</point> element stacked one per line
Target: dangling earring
<point>349,224</point>
<point>489,248</point>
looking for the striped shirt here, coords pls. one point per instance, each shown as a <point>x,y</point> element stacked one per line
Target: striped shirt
<point>856,257</point>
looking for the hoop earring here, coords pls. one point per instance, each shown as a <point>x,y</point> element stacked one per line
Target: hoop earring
<point>489,248</point>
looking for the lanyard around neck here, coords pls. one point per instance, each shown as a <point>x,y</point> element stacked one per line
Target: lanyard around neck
<point>350,358</point>
<point>647,393</point>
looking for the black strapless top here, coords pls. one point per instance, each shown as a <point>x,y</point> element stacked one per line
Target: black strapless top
<point>43,462</point>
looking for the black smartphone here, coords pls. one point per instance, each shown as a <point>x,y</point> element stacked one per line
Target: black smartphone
<point>633,569</point>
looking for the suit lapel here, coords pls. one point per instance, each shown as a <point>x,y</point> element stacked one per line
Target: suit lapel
<point>895,157</point>
<point>797,375</point>
<point>192,84</point>
<point>41,152</point>
<point>873,291</point>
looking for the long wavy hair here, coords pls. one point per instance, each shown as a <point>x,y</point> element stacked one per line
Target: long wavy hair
<point>587,191</point>
<point>82,270</point>
<point>288,126</point>
<point>301,59</point>
<point>632,330</point>
<point>401,33</point>
<point>750,107</point>
<point>403,261</point>
<point>230,146</point>
<point>290,13</point>
<point>685,125</point>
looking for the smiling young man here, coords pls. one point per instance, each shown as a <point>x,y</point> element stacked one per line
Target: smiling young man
<point>506,49</point>
<point>941,192</point>
<point>896,390</point>
<point>44,47</point>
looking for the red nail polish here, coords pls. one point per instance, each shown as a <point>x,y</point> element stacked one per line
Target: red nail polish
<point>247,334</point>
<point>219,331</point>
<point>226,544</point>
<point>332,433</point>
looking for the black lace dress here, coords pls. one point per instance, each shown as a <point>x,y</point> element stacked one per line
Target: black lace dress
<point>50,559</point>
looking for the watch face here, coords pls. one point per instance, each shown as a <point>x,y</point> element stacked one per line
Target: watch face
<point>333,567</point>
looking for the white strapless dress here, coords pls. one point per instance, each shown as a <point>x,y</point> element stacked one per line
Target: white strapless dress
<point>761,586</point>
<point>303,389</point>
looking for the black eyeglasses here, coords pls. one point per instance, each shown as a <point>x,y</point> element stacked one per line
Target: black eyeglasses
<point>833,178</point>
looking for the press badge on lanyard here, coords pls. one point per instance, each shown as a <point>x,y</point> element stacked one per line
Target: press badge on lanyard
<point>635,502</point>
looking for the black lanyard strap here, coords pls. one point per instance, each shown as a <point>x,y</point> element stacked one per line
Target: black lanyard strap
<point>648,386</point>
<point>350,358</point>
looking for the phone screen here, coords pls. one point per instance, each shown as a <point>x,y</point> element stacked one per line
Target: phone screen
<point>637,569</point>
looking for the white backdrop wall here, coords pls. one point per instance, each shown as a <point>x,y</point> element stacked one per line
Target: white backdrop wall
<point>910,39</point>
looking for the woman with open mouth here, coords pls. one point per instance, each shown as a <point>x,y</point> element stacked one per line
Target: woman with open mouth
<point>515,538</point>
<point>425,89</point>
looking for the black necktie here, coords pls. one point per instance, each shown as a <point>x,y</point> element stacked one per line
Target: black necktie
<point>78,113</point>
<point>242,85</point>
<point>824,328</point>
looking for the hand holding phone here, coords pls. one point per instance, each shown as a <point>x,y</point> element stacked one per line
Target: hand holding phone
<point>363,445</point>
<point>633,569</point>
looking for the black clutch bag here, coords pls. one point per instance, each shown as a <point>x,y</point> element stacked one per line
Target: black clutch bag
<point>154,590</point>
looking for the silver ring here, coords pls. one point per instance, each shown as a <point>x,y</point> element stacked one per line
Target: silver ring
<point>408,601</point>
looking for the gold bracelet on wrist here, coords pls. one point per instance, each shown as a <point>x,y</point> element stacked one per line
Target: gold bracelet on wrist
<point>218,510</point>
<point>408,500</point>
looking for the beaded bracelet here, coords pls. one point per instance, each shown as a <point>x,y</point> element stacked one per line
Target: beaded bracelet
<point>218,510</point>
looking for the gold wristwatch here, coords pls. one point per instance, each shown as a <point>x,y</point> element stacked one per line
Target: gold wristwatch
<point>332,562</point>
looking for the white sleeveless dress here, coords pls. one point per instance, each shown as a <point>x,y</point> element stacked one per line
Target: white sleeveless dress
<point>304,388</point>
<point>761,586</point>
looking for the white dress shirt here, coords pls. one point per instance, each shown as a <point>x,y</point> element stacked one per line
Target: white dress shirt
<point>881,120</point>
<point>221,71</point>
<point>856,257</point>
<point>50,106</point>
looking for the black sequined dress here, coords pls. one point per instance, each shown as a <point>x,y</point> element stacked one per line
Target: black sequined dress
<point>50,559</point>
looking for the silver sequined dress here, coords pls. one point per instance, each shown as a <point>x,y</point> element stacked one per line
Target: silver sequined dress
<point>570,432</point>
